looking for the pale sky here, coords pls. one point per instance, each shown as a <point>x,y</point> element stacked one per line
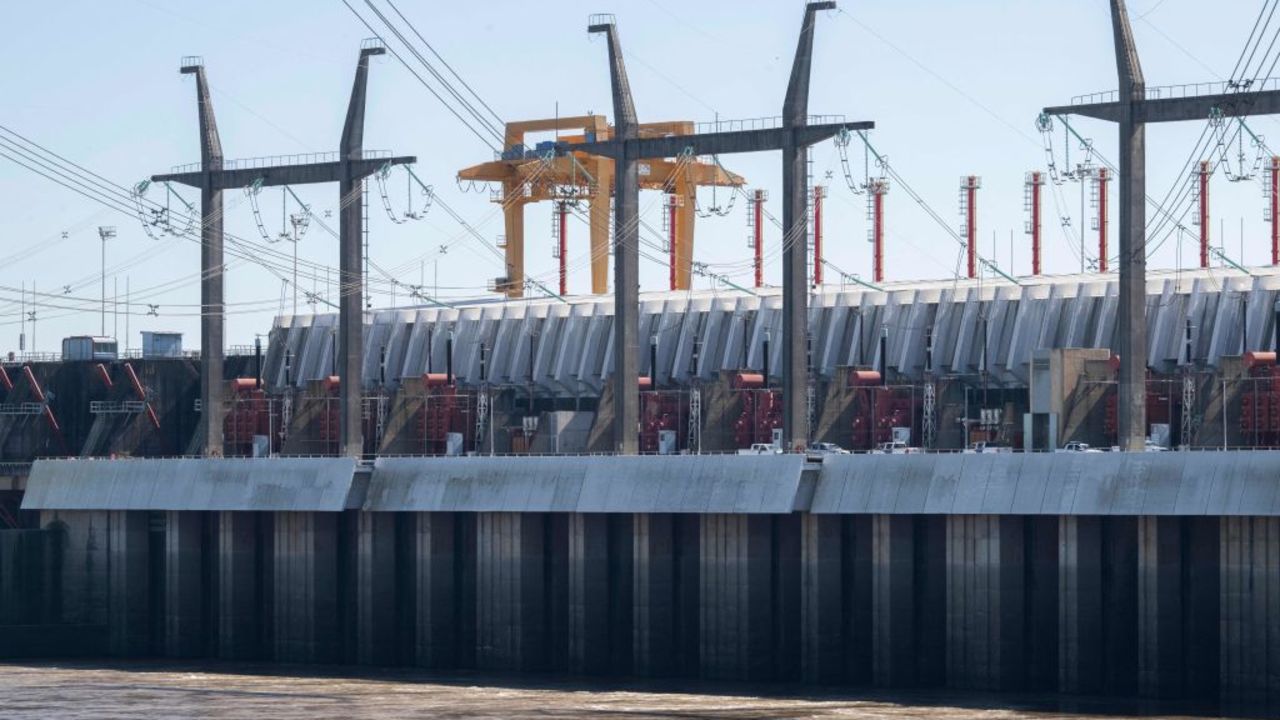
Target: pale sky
<point>954,87</point>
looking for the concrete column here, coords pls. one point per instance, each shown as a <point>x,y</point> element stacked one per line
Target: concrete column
<point>749,599</point>
<point>377,619</point>
<point>128,583</point>
<point>1178,613</point>
<point>185,591</point>
<point>1250,612</point>
<point>510,587</point>
<point>666,595</point>
<point>599,593</point>
<point>83,574</point>
<point>823,626</point>
<point>442,569</point>
<point>305,618</point>
<point>239,607</point>
<point>656,603</point>
<point>986,613</point>
<point>1098,605</point>
<point>908,600</point>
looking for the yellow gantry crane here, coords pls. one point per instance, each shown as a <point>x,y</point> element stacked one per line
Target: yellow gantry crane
<point>526,176</point>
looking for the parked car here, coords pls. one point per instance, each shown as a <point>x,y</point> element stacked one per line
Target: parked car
<point>986,447</point>
<point>1152,446</point>
<point>1076,446</point>
<point>761,449</point>
<point>896,447</point>
<point>826,448</point>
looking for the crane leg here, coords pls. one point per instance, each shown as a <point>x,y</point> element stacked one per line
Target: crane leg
<point>684,232</point>
<point>513,220</point>
<point>601,219</point>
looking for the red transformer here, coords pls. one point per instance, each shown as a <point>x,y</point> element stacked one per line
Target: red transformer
<point>331,416</point>
<point>248,415</point>
<point>661,410</point>
<point>761,410</point>
<point>445,410</point>
<point>1260,401</point>
<point>878,409</point>
<point>1164,404</point>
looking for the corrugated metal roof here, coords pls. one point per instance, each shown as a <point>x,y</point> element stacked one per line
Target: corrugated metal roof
<point>290,484</point>
<point>1243,483</point>
<point>592,484</point>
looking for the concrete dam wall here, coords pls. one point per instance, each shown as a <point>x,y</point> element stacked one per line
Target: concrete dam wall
<point>1154,574</point>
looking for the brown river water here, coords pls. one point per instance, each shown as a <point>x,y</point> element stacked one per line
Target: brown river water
<point>137,690</point>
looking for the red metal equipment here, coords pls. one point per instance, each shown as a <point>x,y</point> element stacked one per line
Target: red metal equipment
<point>757,235</point>
<point>1103,179</point>
<point>878,188</point>
<point>249,415</point>
<point>562,244</point>
<point>445,410</point>
<point>1163,405</point>
<point>1260,401</point>
<point>879,408</point>
<point>662,410</point>
<point>761,410</point>
<point>1034,182</point>
<point>969,209</point>
<point>331,416</point>
<point>1274,209</point>
<point>48,411</point>
<point>142,394</point>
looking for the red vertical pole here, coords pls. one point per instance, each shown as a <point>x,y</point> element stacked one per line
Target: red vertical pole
<point>1102,219</point>
<point>1036,182</point>
<point>563,211</point>
<point>672,236</point>
<point>1275,210</point>
<point>971,223</point>
<point>758,236</point>
<point>878,190</point>
<point>1204,213</point>
<point>819,192</point>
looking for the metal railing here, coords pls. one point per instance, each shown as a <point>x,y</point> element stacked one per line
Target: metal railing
<point>760,123</point>
<point>1184,90</point>
<point>268,161</point>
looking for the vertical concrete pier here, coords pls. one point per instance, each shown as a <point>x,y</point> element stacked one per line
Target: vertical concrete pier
<point>1250,630</point>
<point>986,594</point>
<point>304,617</point>
<point>240,597</point>
<point>187,592</point>
<point>129,609</point>
<point>377,620</point>
<point>511,582</point>
<point>836,610</point>
<point>908,600</point>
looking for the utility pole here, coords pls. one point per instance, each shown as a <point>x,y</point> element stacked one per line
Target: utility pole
<point>628,149</point>
<point>969,216</point>
<point>349,167</point>
<point>105,232</point>
<point>1131,109</point>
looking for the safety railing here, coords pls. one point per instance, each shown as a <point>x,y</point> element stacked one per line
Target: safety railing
<point>760,123</point>
<point>1184,90</point>
<point>268,161</point>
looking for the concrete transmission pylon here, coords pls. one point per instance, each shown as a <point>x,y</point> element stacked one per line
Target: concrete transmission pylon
<point>348,168</point>
<point>1131,108</point>
<point>792,135</point>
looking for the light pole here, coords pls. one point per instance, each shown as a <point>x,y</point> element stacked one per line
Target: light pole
<point>106,232</point>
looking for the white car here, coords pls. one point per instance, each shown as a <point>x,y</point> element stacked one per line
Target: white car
<point>1076,446</point>
<point>761,449</point>
<point>896,447</point>
<point>826,448</point>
